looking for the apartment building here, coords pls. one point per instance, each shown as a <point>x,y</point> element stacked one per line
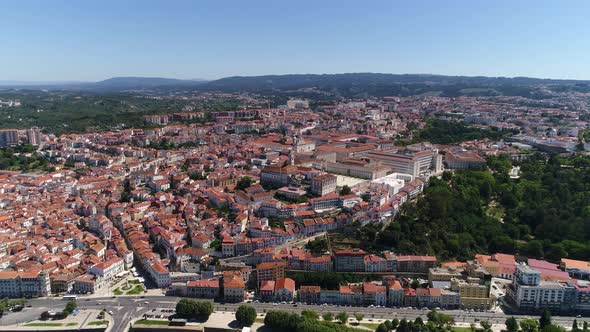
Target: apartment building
<point>8,137</point>
<point>24,284</point>
<point>87,284</point>
<point>325,202</point>
<point>351,294</point>
<point>395,293</point>
<point>576,269</point>
<point>309,294</point>
<point>374,263</point>
<point>349,260</point>
<point>203,289</point>
<point>284,289</point>
<point>374,294</point>
<point>473,294</point>
<point>233,288</point>
<point>415,263</point>
<point>270,271</point>
<point>159,273</point>
<point>529,292</point>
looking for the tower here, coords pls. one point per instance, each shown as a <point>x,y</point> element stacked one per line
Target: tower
<point>292,157</point>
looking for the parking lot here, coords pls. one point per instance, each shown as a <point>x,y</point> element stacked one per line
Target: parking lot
<point>160,313</point>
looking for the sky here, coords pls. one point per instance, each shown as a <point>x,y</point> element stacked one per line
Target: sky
<point>94,40</point>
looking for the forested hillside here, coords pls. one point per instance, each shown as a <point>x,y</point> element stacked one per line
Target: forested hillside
<point>544,214</point>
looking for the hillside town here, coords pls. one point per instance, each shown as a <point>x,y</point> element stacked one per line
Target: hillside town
<point>225,205</point>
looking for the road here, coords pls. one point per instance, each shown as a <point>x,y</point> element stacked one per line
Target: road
<point>126,308</point>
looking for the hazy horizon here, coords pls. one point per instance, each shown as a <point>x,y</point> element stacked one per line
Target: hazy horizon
<point>93,41</point>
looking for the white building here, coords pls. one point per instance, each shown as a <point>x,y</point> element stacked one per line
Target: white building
<point>108,269</point>
<point>529,292</point>
<point>392,182</point>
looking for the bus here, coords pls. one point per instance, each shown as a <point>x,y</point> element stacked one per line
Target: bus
<point>70,297</point>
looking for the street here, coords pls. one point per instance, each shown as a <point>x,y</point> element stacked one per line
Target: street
<point>126,308</point>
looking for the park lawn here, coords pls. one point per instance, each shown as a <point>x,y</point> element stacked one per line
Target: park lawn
<point>372,326</point>
<point>72,324</point>
<point>117,291</point>
<point>99,322</point>
<point>260,320</point>
<point>152,322</point>
<point>137,290</point>
<point>134,282</point>
<point>461,329</point>
<point>44,324</point>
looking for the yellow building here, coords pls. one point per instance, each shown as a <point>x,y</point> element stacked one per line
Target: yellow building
<point>473,295</point>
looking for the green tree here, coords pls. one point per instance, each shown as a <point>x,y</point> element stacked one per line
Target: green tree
<point>381,328</point>
<point>394,324</point>
<point>418,321</point>
<point>342,317</point>
<point>545,319</point>
<point>358,316</point>
<point>553,328</point>
<point>575,327</point>
<point>70,307</point>
<point>277,319</point>
<point>485,325</point>
<point>328,317</point>
<point>243,183</point>
<point>345,190</point>
<point>317,246</point>
<point>403,326</point>
<point>511,325</point>
<point>388,325</point>
<point>310,314</point>
<point>529,325</point>
<point>440,320</point>
<point>191,309</point>
<point>246,315</point>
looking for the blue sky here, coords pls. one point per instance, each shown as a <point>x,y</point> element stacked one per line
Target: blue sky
<point>94,40</point>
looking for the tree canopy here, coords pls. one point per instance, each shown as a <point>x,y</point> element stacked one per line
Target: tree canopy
<point>544,214</point>
<point>191,309</point>
<point>246,315</point>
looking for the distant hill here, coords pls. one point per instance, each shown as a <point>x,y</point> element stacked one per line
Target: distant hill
<point>356,85</point>
<point>376,84</point>
<point>132,83</point>
<point>363,79</point>
<point>115,84</point>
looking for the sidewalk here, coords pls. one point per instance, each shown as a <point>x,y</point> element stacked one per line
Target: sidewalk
<point>85,319</point>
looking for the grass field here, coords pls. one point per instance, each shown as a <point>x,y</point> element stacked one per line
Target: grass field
<point>136,290</point>
<point>117,291</point>
<point>41,324</point>
<point>461,329</point>
<point>152,322</point>
<point>370,325</point>
<point>99,322</point>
